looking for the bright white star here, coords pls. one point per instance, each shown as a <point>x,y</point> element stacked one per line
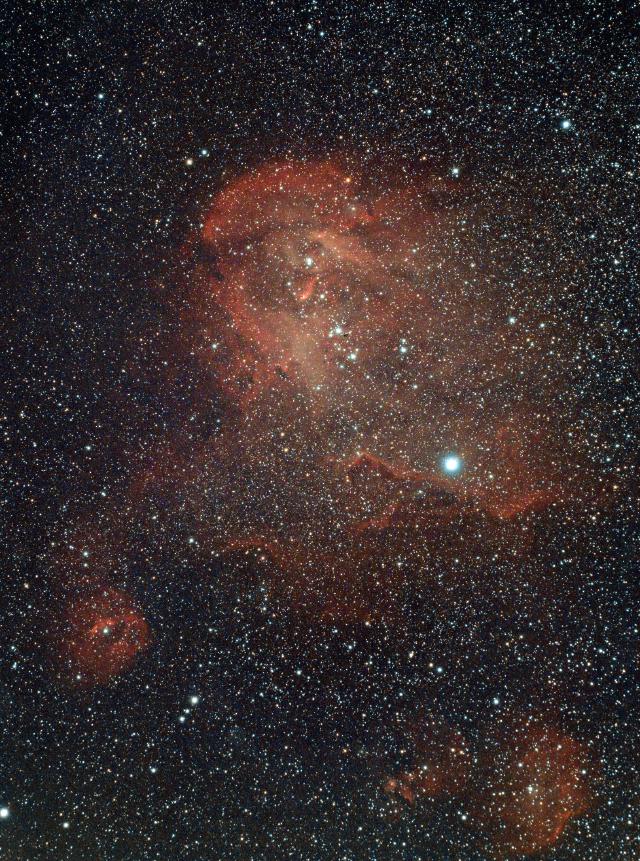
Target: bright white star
<point>452,463</point>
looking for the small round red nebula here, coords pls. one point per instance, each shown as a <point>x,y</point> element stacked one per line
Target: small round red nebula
<point>106,633</point>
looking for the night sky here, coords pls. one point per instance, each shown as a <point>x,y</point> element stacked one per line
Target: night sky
<point>320,398</point>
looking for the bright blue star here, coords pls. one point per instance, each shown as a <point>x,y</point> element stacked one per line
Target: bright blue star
<point>452,463</point>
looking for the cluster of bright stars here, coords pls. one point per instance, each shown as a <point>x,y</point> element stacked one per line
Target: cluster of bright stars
<point>194,700</point>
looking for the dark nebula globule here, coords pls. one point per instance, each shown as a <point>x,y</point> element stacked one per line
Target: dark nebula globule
<point>319,511</point>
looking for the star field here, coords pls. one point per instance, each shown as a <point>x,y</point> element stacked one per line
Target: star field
<point>319,494</point>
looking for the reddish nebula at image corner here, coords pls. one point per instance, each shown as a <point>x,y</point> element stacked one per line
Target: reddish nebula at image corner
<point>521,793</point>
<point>105,634</point>
<point>539,782</point>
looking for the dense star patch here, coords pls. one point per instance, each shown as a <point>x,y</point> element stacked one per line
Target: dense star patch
<point>318,496</point>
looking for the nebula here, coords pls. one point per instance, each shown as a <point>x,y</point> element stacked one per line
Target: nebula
<point>103,636</point>
<point>442,763</point>
<point>521,791</point>
<point>352,348</point>
<point>318,508</point>
<point>341,301</point>
<point>322,298</point>
<point>311,276</point>
<point>340,361</point>
<point>537,783</point>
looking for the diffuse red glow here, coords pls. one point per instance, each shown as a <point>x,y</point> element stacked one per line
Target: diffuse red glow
<point>522,792</point>
<point>103,636</point>
<point>297,249</point>
<point>539,781</point>
<point>324,293</point>
<point>324,313</point>
<point>442,764</point>
<point>351,353</point>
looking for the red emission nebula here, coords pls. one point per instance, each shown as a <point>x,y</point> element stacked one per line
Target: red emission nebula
<point>537,783</point>
<point>354,347</point>
<point>354,341</point>
<point>103,634</point>
<point>355,337</point>
<point>522,791</point>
